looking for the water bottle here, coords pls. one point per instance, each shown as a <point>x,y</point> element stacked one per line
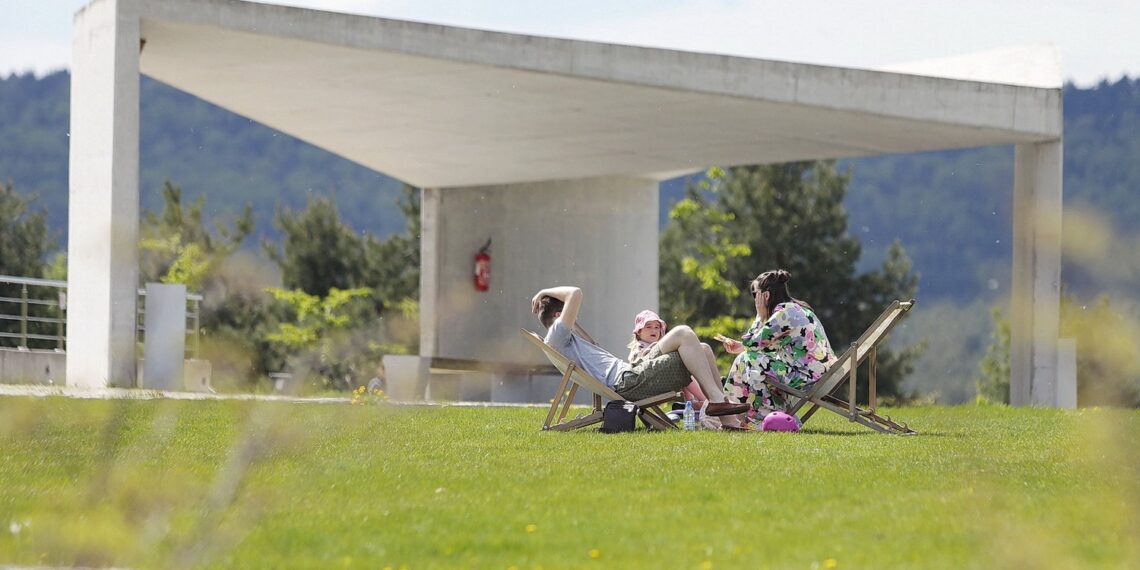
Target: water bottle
<point>690,416</point>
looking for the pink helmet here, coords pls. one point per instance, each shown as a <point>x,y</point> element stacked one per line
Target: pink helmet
<point>779,421</point>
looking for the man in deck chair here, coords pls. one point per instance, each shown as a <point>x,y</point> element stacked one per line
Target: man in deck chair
<point>667,368</point>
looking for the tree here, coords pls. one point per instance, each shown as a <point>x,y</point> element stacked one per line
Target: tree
<point>24,238</point>
<point>740,222</point>
<point>322,258</point>
<point>309,336</point>
<point>176,247</point>
<point>993,383</point>
<point>320,253</point>
<point>24,244</point>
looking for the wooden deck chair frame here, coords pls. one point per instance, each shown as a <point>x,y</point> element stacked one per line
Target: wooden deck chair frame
<point>823,394</point>
<point>574,377</point>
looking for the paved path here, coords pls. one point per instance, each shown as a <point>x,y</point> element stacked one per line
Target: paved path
<point>39,390</point>
<point>42,391</point>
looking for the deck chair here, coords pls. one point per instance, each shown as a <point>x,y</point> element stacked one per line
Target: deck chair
<point>574,377</point>
<point>824,393</point>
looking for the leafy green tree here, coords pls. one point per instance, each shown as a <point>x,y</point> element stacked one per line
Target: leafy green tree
<point>310,337</point>
<point>314,316</point>
<point>320,253</point>
<point>24,238</point>
<point>176,247</point>
<point>394,263</point>
<point>745,220</point>
<point>24,244</point>
<point>993,383</point>
<point>320,258</point>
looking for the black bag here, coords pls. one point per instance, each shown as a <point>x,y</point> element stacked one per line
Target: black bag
<point>619,416</point>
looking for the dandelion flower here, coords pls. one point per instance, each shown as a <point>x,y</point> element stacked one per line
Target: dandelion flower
<point>595,553</point>
<point>531,527</point>
<point>830,563</point>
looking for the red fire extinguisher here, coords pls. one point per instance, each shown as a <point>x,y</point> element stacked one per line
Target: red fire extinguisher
<point>483,267</point>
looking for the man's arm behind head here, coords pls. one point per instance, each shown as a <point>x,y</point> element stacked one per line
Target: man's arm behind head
<point>558,302</point>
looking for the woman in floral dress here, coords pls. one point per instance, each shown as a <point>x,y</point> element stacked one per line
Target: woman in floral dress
<point>786,343</point>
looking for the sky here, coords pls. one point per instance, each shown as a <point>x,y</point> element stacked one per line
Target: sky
<point>1094,39</point>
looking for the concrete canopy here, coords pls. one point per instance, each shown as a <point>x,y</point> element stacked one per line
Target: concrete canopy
<point>439,106</point>
<point>550,147</point>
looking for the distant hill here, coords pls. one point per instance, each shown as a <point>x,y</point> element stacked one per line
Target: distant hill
<point>951,209</point>
<point>199,146</point>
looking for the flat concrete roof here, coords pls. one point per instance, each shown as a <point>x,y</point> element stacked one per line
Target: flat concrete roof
<point>440,106</point>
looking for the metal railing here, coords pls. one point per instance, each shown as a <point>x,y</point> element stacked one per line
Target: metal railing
<point>42,303</point>
<point>24,301</point>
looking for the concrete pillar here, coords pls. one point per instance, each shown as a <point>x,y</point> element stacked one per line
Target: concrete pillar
<point>1067,373</point>
<point>165,337</point>
<point>1036,288</point>
<point>103,202</point>
<point>600,234</point>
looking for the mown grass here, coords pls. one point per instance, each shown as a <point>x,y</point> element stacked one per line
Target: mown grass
<point>161,484</point>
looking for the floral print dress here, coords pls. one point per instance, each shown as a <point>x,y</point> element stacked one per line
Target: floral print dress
<point>791,347</point>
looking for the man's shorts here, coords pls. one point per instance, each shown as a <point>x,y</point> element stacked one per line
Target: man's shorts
<point>655,374</point>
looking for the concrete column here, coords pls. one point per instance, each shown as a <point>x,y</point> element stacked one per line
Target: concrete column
<point>103,201</point>
<point>1036,274</point>
<point>165,337</point>
<point>600,234</point>
<point>430,239</point>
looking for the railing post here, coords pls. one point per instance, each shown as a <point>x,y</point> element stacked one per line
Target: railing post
<point>24,315</point>
<point>62,319</point>
<point>197,329</point>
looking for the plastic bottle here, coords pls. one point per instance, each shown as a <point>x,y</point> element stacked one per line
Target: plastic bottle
<point>690,417</point>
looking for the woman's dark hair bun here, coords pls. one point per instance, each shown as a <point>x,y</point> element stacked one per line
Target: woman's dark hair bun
<point>782,276</point>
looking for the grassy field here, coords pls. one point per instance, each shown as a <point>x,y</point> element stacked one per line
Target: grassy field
<point>161,484</point>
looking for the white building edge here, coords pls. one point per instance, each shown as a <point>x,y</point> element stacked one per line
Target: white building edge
<point>553,148</point>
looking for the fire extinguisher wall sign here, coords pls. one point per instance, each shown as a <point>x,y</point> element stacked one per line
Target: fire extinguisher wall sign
<point>483,267</point>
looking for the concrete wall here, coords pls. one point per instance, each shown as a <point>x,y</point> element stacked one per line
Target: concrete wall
<point>599,234</point>
<point>50,367</point>
<point>32,367</point>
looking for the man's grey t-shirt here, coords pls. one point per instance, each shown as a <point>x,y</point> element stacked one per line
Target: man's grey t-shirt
<point>587,356</point>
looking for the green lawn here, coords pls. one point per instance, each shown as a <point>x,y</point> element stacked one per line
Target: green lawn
<point>159,484</point>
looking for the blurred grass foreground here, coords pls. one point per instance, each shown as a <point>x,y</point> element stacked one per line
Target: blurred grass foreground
<point>244,484</point>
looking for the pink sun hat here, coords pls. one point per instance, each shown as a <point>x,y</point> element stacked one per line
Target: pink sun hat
<point>645,317</point>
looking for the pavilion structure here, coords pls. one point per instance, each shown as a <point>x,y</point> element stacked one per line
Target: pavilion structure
<point>551,148</point>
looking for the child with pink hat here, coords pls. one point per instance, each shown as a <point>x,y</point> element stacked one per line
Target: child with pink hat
<point>648,328</point>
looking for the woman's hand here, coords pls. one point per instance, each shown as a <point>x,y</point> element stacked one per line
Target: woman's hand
<point>732,346</point>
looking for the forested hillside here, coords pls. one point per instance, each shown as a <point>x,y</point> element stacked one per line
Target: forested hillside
<point>196,145</point>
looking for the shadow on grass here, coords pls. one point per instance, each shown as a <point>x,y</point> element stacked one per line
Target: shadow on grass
<point>814,431</point>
